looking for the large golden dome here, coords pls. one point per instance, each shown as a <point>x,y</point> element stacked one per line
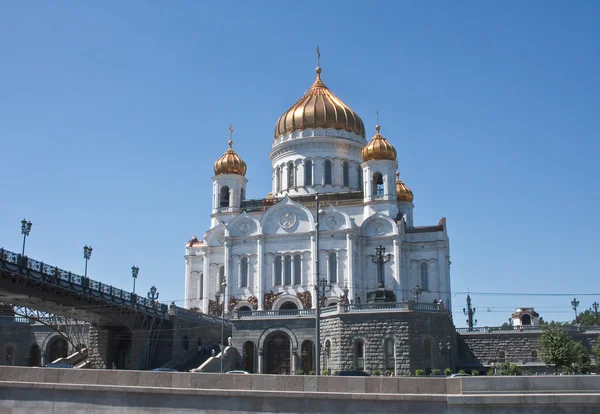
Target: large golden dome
<point>230,163</point>
<point>378,149</point>
<point>319,108</point>
<point>403,193</point>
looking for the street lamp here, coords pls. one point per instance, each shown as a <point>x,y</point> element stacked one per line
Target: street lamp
<point>574,305</point>
<point>417,293</point>
<point>217,296</point>
<point>87,254</point>
<point>595,307</point>
<point>320,284</point>
<point>445,350</point>
<point>25,229</point>
<point>134,274</point>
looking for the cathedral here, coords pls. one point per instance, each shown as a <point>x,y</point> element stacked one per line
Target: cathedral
<point>336,232</point>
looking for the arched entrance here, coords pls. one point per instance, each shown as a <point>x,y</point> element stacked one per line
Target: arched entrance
<point>35,356</point>
<point>288,306</point>
<point>249,352</point>
<point>307,355</point>
<point>278,353</point>
<point>58,348</point>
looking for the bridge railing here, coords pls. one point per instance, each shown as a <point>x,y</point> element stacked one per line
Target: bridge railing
<point>529,328</point>
<point>51,274</point>
<point>14,319</point>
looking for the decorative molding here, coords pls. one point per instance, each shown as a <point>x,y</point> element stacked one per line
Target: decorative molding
<point>306,299</point>
<point>233,301</point>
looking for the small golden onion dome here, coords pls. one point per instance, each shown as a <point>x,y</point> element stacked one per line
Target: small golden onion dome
<point>230,163</point>
<point>378,149</point>
<point>194,242</point>
<point>319,108</point>
<point>403,193</point>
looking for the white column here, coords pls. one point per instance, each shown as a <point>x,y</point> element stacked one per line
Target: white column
<point>227,259</point>
<point>350,261</point>
<point>313,278</point>
<point>186,299</point>
<point>205,291</point>
<point>397,275</point>
<point>260,279</point>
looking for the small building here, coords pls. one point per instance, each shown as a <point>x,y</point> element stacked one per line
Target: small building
<point>525,317</point>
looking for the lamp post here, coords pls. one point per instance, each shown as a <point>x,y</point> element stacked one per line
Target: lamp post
<point>320,284</point>
<point>25,229</point>
<point>417,293</point>
<point>217,296</point>
<point>445,350</point>
<point>380,258</point>
<point>469,311</point>
<point>595,307</point>
<point>134,274</point>
<point>87,254</point>
<point>574,305</point>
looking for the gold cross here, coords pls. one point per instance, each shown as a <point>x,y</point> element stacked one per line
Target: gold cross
<point>318,56</point>
<point>377,116</point>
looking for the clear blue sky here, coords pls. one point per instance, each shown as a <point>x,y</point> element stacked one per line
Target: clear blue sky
<point>112,114</point>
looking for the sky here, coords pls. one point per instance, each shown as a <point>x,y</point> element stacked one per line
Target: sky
<point>112,114</point>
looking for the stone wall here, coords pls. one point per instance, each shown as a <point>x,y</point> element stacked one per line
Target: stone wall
<point>16,336</point>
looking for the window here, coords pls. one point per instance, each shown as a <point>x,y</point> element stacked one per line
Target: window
<point>345,174</point>
<point>327,354</point>
<point>359,355</point>
<point>360,177</point>
<point>278,269</point>
<point>327,172</point>
<point>297,269</point>
<point>308,174</point>
<point>242,194</point>
<point>427,348</point>
<point>377,184</point>
<point>224,196</point>
<point>244,272</point>
<point>333,268</point>
<point>221,279</point>
<point>388,354</point>
<point>277,180</point>
<point>526,319</point>
<point>291,173</point>
<point>534,355</point>
<point>288,270</point>
<point>424,277</point>
<point>501,356</point>
<point>201,285</point>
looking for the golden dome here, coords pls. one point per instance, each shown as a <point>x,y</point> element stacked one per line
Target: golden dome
<point>319,108</point>
<point>403,193</point>
<point>378,149</point>
<point>230,163</point>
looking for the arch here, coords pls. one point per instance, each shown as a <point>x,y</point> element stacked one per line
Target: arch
<point>278,353</point>
<point>345,174</point>
<point>267,332</point>
<point>248,357</point>
<point>526,319</point>
<point>358,352</point>
<point>243,304</point>
<point>288,306</point>
<point>297,269</point>
<point>327,354</point>
<point>534,355</point>
<point>424,276</point>
<point>332,301</point>
<point>340,220</point>
<point>278,271</point>
<point>277,180</point>
<point>287,298</point>
<point>389,354</point>
<point>244,272</point>
<point>307,356</point>
<point>224,196</point>
<point>35,355</point>
<point>333,267</point>
<point>378,189</point>
<point>244,225</point>
<point>371,228</point>
<point>327,172</point>
<point>244,308</point>
<point>57,348</point>
<point>242,194</point>
<point>308,172</point>
<point>291,170</point>
<point>502,356</point>
<point>287,267</point>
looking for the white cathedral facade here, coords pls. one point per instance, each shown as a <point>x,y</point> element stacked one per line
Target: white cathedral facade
<point>262,254</point>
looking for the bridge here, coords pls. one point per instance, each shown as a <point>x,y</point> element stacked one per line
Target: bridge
<point>127,330</point>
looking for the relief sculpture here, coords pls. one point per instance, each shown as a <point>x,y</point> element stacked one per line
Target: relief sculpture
<point>306,299</point>
<point>270,298</point>
<point>253,300</point>
<point>233,301</point>
<point>214,308</point>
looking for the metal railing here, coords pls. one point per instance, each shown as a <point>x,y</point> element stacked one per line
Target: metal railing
<point>510,329</point>
<point>46,273</point>
<point>15,319</point>
<point>281,313</point>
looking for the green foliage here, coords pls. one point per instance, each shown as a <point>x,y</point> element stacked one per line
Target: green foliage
<point>462,371</point>
<point>587,318</point>
<point>474,372</point>
<point>596,349</point>
<point>447,371</point>
<point>506,326</point>
<point>557,348</point>
<point>436,371</point>
<point>311,372</point>
<point>407,373</point>
<point>419,372</point>
<point>376,372</point>
<point>490,372</point>
<point>582,361</point>
<point>325,372</point>
<point>299,372</point>
<point>389,372</point>
<point>506,368</point>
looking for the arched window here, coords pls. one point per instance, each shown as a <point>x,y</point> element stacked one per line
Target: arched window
<point>221,279</point>
<point>327,172</point>
<point>244,272</point>
<point>501,356</point>
<point>327,354</point>
<point>224,196</point>
<point>308,173</point>
<point>333,268</point>
<point>278,266</point>
<point>534,355</point>
<point>389,354</point>
<point>377,184</point>
<point>424,277</point>
<point>242,194</point>
<point>427,348</point>
<point>291,173</point>
<point>201,285</point>
<point>359,354</point>
<point>345,174</point>
<point>288,270</point>
<point>526,319</point>
<point>277,180</point>
<point>359,172</point>
<point>297,269</point>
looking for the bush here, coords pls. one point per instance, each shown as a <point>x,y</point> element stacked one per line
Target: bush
<point>447,371</point>
<point>462,371</point>
<point>311,372</point>
<point>325,372</point>
<point>474,372</point>
<point>407,373</point>
<point>490,373</point>
<point>436,371</point>
<point>389,372</point>
<point>419,372</point>
<point>376,372</point>
<point>507,368</point>
<point>299,372</point>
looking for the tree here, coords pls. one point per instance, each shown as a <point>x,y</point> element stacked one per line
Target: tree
<point>596,349</point>
<point>557,348</point>
<point>582,362</point>
<point>586,318</point>
<point>507,368</point>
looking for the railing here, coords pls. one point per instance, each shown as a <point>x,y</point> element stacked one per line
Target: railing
<point>282,313</point>
<point>328,310</point>
<point>50,274</point>
<point>367,307</point>
<point>497,329</point>
<point>14,319</point>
